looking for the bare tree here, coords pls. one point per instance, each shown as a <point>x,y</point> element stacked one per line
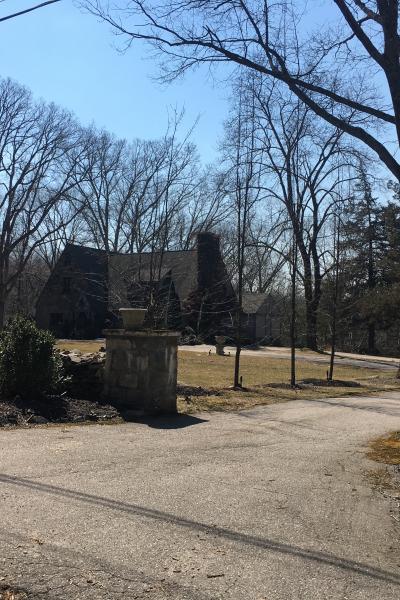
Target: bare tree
<point>293,262</point>
<point>263,264</point>
<point>26,291</point>
<point>335,295</point>
<point>135,193</point>
<point>243,180</point>
<point>62,225</point>
<point>98,182</point>
<point>301,162</point>
<point>329,70</point>
<point>39,146</point>
<point>207,209</point>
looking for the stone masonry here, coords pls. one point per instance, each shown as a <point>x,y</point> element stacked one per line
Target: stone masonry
<point>141,370</point>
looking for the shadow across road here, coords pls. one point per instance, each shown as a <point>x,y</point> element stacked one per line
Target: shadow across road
<point>241,538</point>
<point>178,421</point>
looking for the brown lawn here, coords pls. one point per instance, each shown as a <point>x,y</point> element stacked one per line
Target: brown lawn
<point>386,449</point>
<point>205,380</point>
<point>266,380</point>
<point>81,345</point>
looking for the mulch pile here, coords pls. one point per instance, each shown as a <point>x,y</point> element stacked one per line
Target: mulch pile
<point>195,390</point>
<point>81,401</point>
<point>54,409</point>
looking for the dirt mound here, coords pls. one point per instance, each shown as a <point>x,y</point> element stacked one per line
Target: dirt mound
<point>54,409</point>
<point>196,390</point>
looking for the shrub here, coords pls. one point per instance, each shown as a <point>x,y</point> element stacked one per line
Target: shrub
<point>30,366</point>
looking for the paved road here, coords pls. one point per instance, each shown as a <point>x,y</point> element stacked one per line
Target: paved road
<point>342,358</point>
<point>271,504</point>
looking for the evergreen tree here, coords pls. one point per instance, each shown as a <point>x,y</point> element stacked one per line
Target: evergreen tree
<point>363,236</point>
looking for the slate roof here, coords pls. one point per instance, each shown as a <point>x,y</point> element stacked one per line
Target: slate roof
<point>89,260</point>
<point>181,264</point>
<point>146,267</point>
<point>252,302</point>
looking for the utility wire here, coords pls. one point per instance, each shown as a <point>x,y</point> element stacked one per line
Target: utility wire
<point>27,10</point>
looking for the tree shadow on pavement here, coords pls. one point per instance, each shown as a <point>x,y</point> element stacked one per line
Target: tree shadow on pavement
<point>316,556</point>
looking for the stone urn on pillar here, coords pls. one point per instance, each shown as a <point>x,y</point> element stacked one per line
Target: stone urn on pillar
<point>141,366</point>
<point>220,341</point>
<point>132,318</point>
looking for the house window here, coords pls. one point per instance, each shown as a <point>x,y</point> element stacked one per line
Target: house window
<point>66,285</point>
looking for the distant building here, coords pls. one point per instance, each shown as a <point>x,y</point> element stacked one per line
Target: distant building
<point>262,318</point>
<point>180,289</point>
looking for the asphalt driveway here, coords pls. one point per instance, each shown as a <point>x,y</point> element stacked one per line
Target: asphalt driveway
<point>272,503</point>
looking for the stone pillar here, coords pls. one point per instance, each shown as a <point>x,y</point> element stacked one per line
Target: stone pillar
<point>141,370</point>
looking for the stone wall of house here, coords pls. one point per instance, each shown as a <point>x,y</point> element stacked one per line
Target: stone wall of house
<point>73,302</point>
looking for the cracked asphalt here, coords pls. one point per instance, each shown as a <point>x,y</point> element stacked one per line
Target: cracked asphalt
<point>268,504</point>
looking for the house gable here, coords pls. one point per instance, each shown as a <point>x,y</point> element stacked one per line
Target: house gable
<point>73,301</point>
<point>87,288</point>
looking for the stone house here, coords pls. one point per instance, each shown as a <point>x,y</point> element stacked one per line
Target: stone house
<point>188,288</point>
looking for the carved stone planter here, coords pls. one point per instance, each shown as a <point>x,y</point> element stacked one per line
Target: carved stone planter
<point>133,318</point>
<point>220,341</point>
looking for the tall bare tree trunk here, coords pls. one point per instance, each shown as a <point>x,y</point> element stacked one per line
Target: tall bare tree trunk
<point>335,302</point>
<point>371,283</point>
<point>293,316</point>
<point>236,378</point>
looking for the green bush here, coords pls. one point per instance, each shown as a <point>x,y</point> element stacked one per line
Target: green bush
<point>30,366</point>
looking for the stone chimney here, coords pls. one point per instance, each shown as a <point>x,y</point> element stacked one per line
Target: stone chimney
<point>208,260</point>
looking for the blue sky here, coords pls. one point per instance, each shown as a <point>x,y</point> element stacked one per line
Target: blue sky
<point>70,58</point>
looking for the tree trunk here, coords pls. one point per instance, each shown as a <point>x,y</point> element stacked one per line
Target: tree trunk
<point>333,345</point>
<point>371,338</point>
<point>312,298</point>
<point>371,278</point>
<point>335,303</point>
<point>3,293</point>
<point>293,319</point>
<point>236,380</point>
<point>311,310</point>
<point>311,325</point>
<point>2,311</point>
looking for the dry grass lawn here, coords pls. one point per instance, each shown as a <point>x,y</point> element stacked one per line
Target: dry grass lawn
<point>205,380</point>
<point>265,381</point>
<point>386,449</point>
<point>81,345</point>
